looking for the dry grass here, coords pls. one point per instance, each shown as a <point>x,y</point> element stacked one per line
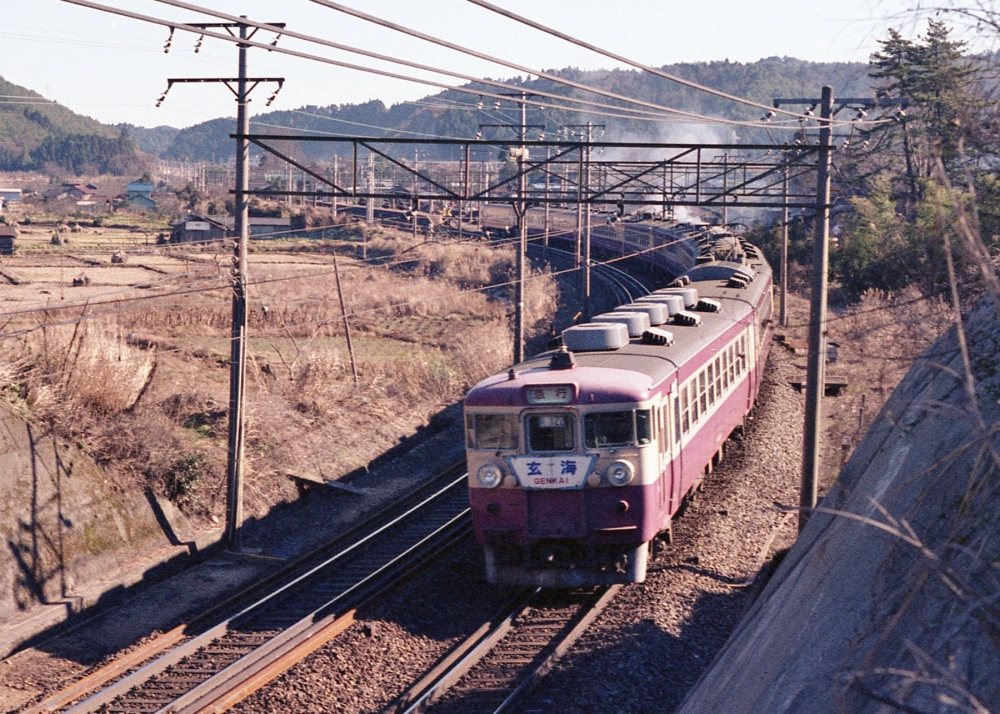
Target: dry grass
<point>428,321</point>
<point>84,368</point>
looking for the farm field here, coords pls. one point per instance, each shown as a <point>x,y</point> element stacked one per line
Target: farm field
<point>132,361</point>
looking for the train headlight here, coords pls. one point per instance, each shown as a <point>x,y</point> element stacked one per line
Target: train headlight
<point>490,475</point>
<point>620,473</point>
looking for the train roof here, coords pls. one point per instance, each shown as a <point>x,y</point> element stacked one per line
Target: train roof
<point>631,372</point>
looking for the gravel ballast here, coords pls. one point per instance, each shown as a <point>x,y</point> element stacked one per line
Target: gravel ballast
<point>646,650</point>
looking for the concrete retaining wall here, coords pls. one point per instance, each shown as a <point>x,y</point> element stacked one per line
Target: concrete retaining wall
<point>69,535</point>
<point>865,614</point>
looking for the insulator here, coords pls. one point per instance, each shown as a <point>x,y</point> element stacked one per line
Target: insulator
<point>497,105</point>
<point>479,135</point>
<point>541,136</point>
<point>170,41</point>
<point>274,43</point>
<point>479,104</point>
<point>273,96</point>
<point>197,45</point>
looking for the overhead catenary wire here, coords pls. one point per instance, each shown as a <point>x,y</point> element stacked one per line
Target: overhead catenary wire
<point>457,75</point>
<point>194,29</point>
<point>632,63</point>
<point>529,70</point>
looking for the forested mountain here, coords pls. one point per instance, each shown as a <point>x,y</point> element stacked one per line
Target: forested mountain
<point>36,134</point>
<point>152,141</point>
<point>455,114</point>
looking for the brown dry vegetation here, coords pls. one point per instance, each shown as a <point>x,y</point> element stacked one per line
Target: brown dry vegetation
<point>879,338</point>
<point>145,390</point>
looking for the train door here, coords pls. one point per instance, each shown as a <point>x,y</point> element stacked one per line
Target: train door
<point>663,454</point>
<point>676,462</point>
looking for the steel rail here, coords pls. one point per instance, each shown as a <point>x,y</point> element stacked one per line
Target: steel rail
<point>539,637</point>
<point>620,281</point>
<point>241,612</point>
<point>254,670</point>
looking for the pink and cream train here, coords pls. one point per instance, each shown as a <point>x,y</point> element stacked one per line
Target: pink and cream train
<point>580,457</point>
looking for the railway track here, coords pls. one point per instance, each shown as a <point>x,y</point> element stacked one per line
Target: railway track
<point>503,660</point>
<point>216,661</point>
<point>624,286</point>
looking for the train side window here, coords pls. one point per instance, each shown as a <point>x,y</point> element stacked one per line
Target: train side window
<point>491,431</point>
<point>725,369</point>
<point>718,376</point>
<point>732,363</point>
<point>550,432</point>
<point>693,393</point>
<point>685,410</point>
<point>743,353</point>
<point>703,395</point>
<point>711,384</point>
<point>677,420</point>
<point>643,427</point>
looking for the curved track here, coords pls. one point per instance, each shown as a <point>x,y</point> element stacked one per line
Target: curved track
<point>624,286</point>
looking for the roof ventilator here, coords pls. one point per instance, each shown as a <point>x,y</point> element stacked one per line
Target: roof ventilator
<point>595,336</point>
<point>708,305</point>
<point>656,336</point>
<point>737,281</point>
<point>688,319</point>
<point>636,322</point>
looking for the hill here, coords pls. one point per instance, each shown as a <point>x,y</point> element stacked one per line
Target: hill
<point>36,133</point>
<point>455,114</point>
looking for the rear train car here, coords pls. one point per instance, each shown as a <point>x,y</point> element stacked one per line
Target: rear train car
<point>578,458</point>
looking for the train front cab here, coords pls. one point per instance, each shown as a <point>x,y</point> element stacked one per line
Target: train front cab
<point>564,496</point>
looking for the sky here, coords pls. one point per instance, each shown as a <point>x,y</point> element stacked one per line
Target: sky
<point>114,69</point>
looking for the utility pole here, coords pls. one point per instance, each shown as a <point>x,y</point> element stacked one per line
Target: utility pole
<point>416,203</point>
<point>370,202</point>
<point>816,368</point>
<point>238,333</point>
<point>522,229</point>
<point>583,209</point>
<point>336,176</point>
<point>725,188</point>
<point>586,229</point>
<point>548,170</point>
<point>784,249</point>
<point>520,210</point>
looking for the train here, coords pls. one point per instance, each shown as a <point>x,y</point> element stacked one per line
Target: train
<point>580,458</point>
<point>665,245</point>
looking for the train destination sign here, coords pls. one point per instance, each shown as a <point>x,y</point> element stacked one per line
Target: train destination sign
<point>551,394</point>
<point>563,471</point>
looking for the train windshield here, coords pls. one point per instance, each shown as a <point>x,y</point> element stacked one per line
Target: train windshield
<point>609,429</point>
<point>550,432</point>
<point>491,431</point>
